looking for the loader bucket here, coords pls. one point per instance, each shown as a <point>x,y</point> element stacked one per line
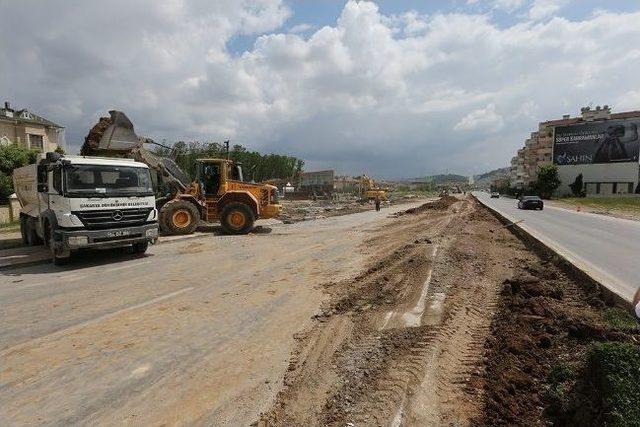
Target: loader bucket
<point>119,136</point>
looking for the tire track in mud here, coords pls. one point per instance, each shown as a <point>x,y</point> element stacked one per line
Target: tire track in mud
<point>349,369</point>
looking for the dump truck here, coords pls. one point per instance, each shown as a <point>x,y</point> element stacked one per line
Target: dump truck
<point>217,193</point>
<point>70,203</point>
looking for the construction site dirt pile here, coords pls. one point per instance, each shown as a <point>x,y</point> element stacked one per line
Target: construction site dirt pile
<point>306,210</point>
<point>442,203</point>
<point>92,140</point>
<point>450,324</point>
<point>543,329</point>
<point>385,349</point>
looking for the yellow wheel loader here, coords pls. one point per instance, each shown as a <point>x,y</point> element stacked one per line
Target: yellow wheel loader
<point>218,193</point>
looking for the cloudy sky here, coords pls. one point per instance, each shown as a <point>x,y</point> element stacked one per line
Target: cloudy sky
<point>396,88</point>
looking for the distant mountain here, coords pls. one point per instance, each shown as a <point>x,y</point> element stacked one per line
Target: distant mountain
<point>444,178</point>
<point>485,179</point>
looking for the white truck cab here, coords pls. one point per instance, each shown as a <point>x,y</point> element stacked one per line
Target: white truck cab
<point>74,202</point>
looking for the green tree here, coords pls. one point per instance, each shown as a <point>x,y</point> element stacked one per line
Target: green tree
<point>577,187</point>
<point>256,166</point>
<point>548,180</point>
<point>11,157</point>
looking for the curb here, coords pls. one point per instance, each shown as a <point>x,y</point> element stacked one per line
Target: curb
<point>584,279</point>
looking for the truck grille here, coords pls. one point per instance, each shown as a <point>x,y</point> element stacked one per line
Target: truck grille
<point>113,218</point>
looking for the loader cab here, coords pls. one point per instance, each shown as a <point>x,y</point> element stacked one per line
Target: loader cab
<point>212,173</point>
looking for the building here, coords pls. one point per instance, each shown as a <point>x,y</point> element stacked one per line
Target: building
<point>317,182</point>
<point>602,146</point>
<point>29,130</point>
<point>537,151</point>
<point>346,184</point>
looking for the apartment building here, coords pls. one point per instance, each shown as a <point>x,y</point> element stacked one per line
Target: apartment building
<point>29,130</point>
<point>601,145</point>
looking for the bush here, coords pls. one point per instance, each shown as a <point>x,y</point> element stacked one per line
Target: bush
<point>12,157</point>
<point>548,181</point>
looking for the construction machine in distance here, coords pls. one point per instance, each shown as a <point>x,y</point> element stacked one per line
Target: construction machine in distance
<point>369,191</point>
<point>218,192</point>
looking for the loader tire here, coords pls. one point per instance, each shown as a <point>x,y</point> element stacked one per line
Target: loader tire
<point>179,217</point>
<point>237,218</point>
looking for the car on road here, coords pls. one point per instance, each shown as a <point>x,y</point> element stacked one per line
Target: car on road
<point>530,202</point>
<point>495,195</point>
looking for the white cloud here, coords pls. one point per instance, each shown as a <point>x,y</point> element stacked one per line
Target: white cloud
<point>541,9</point>
<point>302,28</point>
<point>486,119</point>
<point>368,93</point>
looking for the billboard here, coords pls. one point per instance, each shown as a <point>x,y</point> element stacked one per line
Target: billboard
<point>609,141</point>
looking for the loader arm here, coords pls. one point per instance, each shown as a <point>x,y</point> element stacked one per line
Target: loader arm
<point>115,136</point>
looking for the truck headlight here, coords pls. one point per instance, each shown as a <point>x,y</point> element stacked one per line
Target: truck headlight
<point>153,215</point>
<point>152,232</point>
<point>78,240</point>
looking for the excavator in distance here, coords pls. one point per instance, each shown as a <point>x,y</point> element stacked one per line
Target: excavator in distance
<point>370,191</point>
<point>218,193</point>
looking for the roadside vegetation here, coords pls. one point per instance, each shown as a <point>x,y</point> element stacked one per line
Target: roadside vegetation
<point>629,204</point>
<point>256,166</point>
<point>11,157</point>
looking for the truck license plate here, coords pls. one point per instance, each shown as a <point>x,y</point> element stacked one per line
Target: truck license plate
<point>118,233</point>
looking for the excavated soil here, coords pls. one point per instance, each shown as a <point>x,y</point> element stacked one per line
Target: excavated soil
<point>541,334</point>
<point>450,324</point>
<point>92,140</point>
<point>403,342</point>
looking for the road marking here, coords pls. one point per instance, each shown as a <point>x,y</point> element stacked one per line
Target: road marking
<point>98,319</point>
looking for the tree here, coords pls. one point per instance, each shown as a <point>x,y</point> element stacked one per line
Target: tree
<point>11,157</point>
<point>256,166</point>
<point>577,187</point>
<point>548,180</point>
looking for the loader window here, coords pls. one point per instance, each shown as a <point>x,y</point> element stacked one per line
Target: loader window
<point>210,178</point>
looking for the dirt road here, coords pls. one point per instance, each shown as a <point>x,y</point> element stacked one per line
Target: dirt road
<point>402,343</point>
<point>198,332</point>
<point>432,316</point>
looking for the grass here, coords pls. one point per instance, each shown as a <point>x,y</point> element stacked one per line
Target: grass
<point>629,204</point>
<point>619,319</point>
<point>614,369</point>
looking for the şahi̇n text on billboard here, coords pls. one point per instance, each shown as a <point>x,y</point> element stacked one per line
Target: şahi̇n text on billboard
<point>610,141</point>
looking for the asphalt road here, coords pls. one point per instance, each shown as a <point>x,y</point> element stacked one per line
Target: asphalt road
<point>605,247</point>
<point>196,332</point>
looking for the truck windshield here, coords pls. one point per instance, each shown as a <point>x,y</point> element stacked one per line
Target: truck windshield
<point>107,181</point>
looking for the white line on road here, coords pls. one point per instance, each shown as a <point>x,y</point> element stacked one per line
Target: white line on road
<point>94,321</point>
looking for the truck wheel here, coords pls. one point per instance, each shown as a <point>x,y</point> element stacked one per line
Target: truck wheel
<point>237,218</point>
<point>179,217</point>
<point>59,260</point>
<point>23,230</point>
<point>140,248</point>
<point>32,235</point>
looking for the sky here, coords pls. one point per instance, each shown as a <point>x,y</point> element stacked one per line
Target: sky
<point>393,88</point>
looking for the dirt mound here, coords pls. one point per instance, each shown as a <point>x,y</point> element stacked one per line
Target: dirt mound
<point>92,140</point>
<point>540,336</point>
<point>441,204</point>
